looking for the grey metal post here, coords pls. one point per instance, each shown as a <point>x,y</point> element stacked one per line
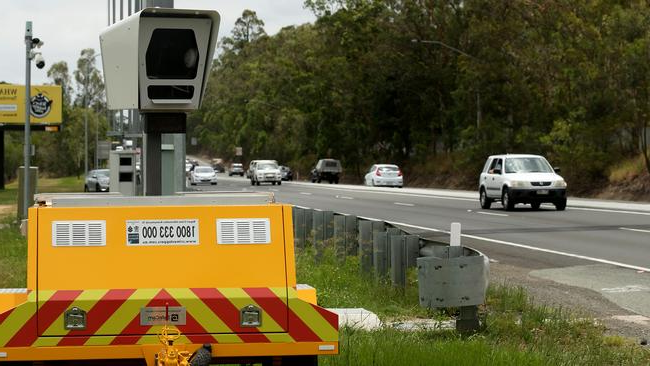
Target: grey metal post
<point>309,225</point>
<point>152,166</point>
<point>28,106</point>
<point>365,245</point>
<point>351,229</point>
<point>113,11</point>
<point>339,236</point>
<point>379,253</point>
<point>398,267</point>
<point>328,225</point>
<point>319,232</point>
<point>412,250</point>
<point>298,227</point>
<point>391,231</point>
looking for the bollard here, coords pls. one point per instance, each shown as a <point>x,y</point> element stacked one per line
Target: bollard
<point>397,263</point>
<point>379,255</point>
<point>365,246</point>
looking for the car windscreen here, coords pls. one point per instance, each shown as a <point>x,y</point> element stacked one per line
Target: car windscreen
<point>332,164</point>
<point>236,165</point>
<point>266,166</point>
<point>102,173</point>
<point>527,165</point>
<point>389,168</point>
<point>204,170</point>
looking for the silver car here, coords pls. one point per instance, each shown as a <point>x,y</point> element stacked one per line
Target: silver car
<point>388,175</point>
<point>97,180</point>
<point>203,175</point>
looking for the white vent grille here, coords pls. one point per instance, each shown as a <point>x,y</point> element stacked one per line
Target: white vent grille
<point>79,233</point>
<point>243,231</point>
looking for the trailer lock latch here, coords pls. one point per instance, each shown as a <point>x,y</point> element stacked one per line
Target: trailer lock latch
<point>250,316</point>
<point>74,319</point>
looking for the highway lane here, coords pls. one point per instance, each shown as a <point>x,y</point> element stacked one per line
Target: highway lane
<point>615,235</point>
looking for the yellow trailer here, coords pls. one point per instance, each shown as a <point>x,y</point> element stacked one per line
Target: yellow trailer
<point>217,271</point>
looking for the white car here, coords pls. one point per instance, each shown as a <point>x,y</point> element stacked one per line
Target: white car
<point>203,175</point>
<point>517,178</point>
<point>266,171</point>
<point>384,175</point>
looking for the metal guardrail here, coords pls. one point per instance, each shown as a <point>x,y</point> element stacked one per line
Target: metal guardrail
<point>448,275</point>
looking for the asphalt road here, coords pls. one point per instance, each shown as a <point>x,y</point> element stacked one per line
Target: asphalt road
<point>597,245</point>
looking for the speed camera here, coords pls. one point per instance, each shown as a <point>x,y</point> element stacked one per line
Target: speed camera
<point>158,60</point>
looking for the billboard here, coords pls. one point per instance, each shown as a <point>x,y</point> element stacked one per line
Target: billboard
<point>47,103</point>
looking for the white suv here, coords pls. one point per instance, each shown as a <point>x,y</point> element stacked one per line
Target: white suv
<point>515,178</point>
<point>266,171</point>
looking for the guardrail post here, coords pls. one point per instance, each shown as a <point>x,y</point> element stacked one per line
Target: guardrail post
<point>339,237</point>
<point>379,255</point>
<point>351,230</point>
<point>309,225</point>
<point>328,225</point>
<point>397,254</point>
<point>365,245</point>
<point>390,232</point>
<point>412,249</point>
<point>298,227</point>
<point>319,232</point>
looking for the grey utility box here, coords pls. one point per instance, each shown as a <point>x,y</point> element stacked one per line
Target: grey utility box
<point>124,175</point>
<point>452,276</point>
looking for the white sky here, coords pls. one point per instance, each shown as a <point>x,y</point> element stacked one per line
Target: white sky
<point>68,26</point>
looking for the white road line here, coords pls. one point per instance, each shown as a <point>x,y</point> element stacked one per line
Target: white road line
<point>637,230</point>
<point>491,213</point>
<point>403,204</point>
<point>608,210</point>
<point>306,193</point>
<point>273,189</point>
<point>523,246</point>
<point>344,197</point>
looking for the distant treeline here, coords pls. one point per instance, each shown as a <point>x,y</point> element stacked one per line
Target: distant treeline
<point>436,86</point>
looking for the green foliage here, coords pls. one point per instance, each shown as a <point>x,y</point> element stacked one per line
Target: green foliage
<point>568,79</point>
<point>13,254</point>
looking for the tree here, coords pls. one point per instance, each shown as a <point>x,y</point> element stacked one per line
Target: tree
<point>60,75</point>
<point>248,28</point>
<point>90,84</point>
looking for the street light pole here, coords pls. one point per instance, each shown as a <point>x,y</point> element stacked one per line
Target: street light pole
<point>28,107</point>
<point>86,105</point>
<point>478,90</point>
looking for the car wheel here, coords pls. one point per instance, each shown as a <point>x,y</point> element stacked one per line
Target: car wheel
<point>372,183</point>
<point>318,180</point>
<point>86,188</point>
<point>98,188</point>
<point>214,184</point>
<point>192,184</point>
<point>280,183</point>
<point>252,182</point>
<point>535,205</point>
<point>560,205</point>
<point>258,182</point>
<point>506,200</point>
<point>485,201</point>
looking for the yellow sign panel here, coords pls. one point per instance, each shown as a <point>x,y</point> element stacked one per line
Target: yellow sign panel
<point>47,102</point>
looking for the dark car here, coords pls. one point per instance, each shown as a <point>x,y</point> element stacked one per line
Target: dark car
<point>286,173</point>
<point>326,169</point>
<point>236,168</point>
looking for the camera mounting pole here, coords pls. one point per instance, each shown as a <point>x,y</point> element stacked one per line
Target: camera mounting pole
<point>28,107</point>
<point>155,124</point>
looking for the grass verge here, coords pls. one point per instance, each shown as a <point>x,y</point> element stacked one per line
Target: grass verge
<point>48,185</point>
<point>516,332</point>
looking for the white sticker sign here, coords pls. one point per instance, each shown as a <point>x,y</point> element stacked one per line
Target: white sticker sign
<point>162,232</point>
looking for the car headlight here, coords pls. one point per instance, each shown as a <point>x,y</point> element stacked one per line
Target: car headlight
<point>559,183</point>
<point>518,184</point>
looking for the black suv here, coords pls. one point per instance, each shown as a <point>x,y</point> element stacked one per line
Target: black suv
<point>326,169</point>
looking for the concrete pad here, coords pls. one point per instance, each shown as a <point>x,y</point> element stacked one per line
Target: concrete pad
<point>627,288</point>
<point>357,318</point>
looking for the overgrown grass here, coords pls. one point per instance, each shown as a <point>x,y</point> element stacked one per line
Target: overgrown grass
<point>13,255</point>
<point>627,169</point>
<point>516,331</point>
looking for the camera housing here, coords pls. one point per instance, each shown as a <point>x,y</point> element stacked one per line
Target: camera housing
<point>39,60</point>
<point>158,59</point>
